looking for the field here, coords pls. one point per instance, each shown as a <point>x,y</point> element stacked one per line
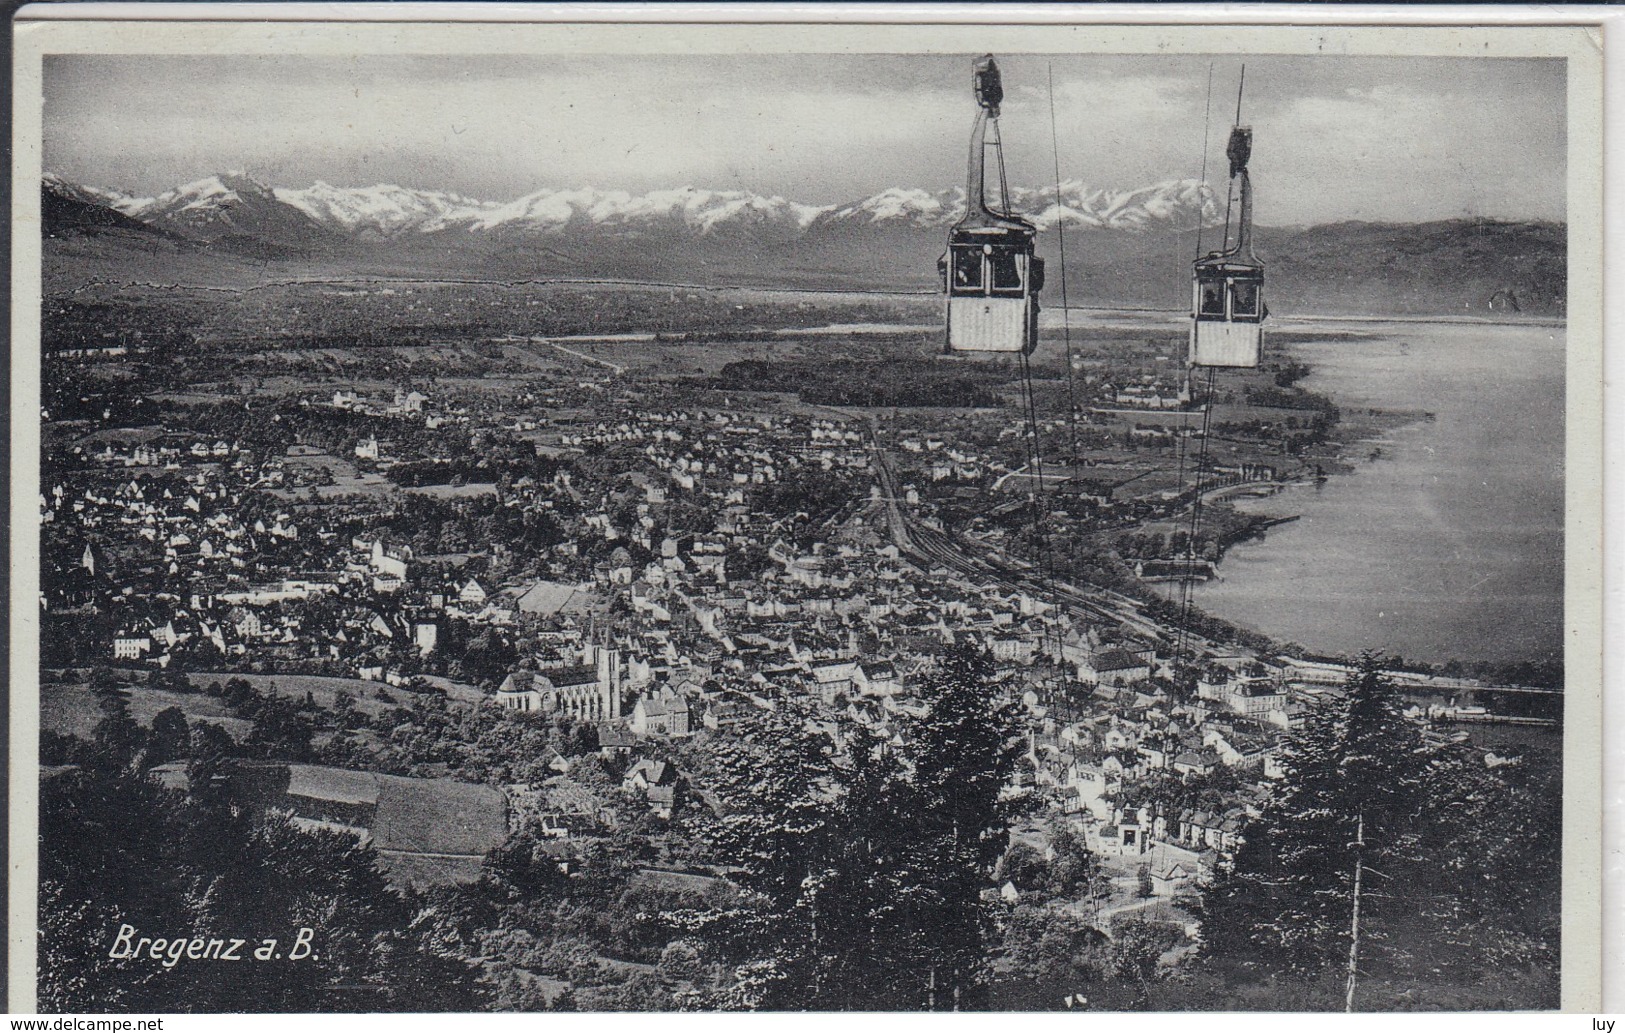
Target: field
<point>70,709</point>
<point>322,690</point>
<point>438,816</point>
<point>316,468</point>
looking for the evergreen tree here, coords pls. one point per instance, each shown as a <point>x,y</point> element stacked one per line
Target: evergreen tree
<point>117,735</point>
<point>962,752</point>
<point>865,862</point>
<point>117,850</point>
<point>1356,773</point>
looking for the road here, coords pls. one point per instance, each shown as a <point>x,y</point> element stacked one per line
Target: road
<point>614,367</point>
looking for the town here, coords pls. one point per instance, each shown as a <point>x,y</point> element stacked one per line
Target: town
<point>436,615</point>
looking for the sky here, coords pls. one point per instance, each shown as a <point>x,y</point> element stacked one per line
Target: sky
<point>1335,138</point>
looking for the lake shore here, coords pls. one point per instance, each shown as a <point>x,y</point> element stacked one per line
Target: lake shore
<point>1443,542</point>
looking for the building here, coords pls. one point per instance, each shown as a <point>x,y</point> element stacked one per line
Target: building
<point>472,594</point>
<point>657,780</point>
<point>1114,667</point>
<point>589,691</point>
<point>836,677</point>
<point>666,713</point>
<point>131,645</point>
<point>1253,693</point>
<point>390,560</point>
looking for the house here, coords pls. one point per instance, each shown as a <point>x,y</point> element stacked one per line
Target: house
<point>1169,880</point>
<point>835,677</point>
<point>661,715</point>
<point>657,780</point>
<point>614,742</point>
<point>1254,692</point>
<point>877,679</point>
<point>425,635</point>
<point>1114,668</point>
<point>473,594</point>
<point>1195,764</point>
<point>1087,789</point>
<point>723,715</point>
<point>131,645</point>
<point>1204,830</point>
<point>390,561</point>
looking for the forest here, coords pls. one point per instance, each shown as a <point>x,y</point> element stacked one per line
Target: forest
<point>847,872</point>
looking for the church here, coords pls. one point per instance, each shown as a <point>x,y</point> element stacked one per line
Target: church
<point>590,691</point>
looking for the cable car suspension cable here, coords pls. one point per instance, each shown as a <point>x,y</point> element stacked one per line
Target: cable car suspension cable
<point>1066,312</point>
<point>1182,446</point>
<point>1207,129</point>
<point>1187,579</point>
<point>1043,557</point>
<point>1201,223</point>
<point>1187,576</point>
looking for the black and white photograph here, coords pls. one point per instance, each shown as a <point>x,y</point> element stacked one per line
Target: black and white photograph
<point>806,518</point>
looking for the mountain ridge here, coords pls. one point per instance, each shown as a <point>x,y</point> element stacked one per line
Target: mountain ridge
<point>388,209</point>
<point>1125,247</point>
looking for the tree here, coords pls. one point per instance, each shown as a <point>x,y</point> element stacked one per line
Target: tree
<point>683,960</point>
<point>208,753</point>
<point>345,714</point>
<point>962,752</point>
<point>1136,952</point>
<point>1073,868</point>
<point>171,737</point>
<point>117,735</point>
<point>521,870</point>
<point>1359,766</point>
<point>280,730</point>
<point>1048,952</point>
<point>863,863</point>
<point>1024,867</point>
<point>118,851</point>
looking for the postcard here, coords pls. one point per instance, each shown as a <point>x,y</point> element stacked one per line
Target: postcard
<point>762,512</point>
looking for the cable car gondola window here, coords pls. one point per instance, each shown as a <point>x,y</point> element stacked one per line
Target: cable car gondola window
<point>1245,300</point>
<point>1212,300</point>
<point>967,271</point>
<point>1006,268</point>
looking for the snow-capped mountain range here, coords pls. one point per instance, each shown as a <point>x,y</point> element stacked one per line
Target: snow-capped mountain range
<point>237,204</point>
<point>1134,248</point>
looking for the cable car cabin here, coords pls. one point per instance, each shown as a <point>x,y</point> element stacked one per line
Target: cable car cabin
<point>992,280</point>
<point>989,274</point>
<point>1227,302</point>
<point>1227,313</point>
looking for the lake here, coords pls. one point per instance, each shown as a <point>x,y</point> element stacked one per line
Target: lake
<point>1450,545</point>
